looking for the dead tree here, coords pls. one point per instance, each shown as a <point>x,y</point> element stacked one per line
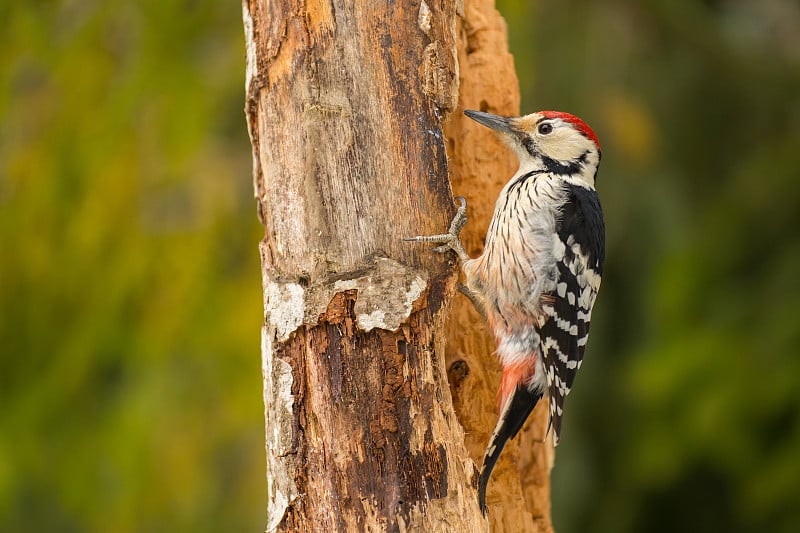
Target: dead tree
<point>353,109</point>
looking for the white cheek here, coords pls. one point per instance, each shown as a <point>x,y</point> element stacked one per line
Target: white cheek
<point>562,147</point>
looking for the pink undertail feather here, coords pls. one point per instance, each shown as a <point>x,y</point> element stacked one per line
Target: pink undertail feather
<point>516,402</point>
<point>515,375</point>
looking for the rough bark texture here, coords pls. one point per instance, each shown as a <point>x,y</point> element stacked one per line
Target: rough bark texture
<point>519,492</point>
<point>345,110</point>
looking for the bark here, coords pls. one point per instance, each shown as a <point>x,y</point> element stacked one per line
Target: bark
<point>518,496</point>
<point>345,108</point>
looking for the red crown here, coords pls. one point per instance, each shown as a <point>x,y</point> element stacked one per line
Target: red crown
<point>580,125</point>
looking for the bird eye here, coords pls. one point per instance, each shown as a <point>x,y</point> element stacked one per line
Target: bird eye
<point>545,128</point>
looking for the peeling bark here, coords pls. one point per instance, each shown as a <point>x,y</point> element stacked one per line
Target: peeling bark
<point>345,109</point>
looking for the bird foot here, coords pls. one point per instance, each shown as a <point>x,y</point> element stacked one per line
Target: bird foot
<point>449,240</point>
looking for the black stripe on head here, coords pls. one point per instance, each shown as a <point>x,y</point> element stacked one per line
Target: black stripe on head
<point>569,169</point>
<point>529,145</point>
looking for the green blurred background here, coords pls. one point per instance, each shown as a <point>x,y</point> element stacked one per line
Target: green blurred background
<point>686,414</point>
<point>130,379</point>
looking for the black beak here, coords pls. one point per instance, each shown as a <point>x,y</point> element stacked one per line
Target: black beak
<point>497,123</point>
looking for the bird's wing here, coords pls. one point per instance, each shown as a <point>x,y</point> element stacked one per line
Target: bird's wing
<point>578,246</point>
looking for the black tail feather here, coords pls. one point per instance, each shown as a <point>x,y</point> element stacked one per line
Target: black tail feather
<point>511,420</point>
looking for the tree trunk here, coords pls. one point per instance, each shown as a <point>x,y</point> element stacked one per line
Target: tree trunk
<point>345,107</point>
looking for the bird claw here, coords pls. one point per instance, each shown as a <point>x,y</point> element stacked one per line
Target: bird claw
<point>442,249</point>
<point>460,218</point>
<point>449,241</point>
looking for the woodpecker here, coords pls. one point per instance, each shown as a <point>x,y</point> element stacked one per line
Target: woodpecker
<point>536,281</point>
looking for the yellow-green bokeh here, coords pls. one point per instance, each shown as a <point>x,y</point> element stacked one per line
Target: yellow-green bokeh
<point>129,277</point>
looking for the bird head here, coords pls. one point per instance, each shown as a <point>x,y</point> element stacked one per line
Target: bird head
<point>548,140</point>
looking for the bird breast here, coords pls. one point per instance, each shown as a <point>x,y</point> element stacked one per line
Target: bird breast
<point>517,264</point>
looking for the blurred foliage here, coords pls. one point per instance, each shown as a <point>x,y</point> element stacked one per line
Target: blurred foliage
<point>129,278</point>
<point>129,367</point>
<point>686,415</point>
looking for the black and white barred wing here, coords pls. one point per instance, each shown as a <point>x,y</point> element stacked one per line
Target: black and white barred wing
<point>578,248</point>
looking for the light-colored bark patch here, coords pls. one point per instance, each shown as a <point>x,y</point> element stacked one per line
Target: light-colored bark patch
<point>386,295</point>
<point>250,45</point>
<point>278,405</point>
<point>284,307</point>
<point>387,291</point>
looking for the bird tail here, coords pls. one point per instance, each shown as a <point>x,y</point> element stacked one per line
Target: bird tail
<point>516,409</point>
